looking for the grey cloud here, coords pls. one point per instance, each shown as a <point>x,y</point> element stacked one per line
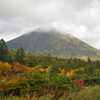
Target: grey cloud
<point>77,17</point>
<point>80,4</point>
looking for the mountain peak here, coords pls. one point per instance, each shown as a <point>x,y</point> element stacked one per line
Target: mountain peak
<point>50,30</point>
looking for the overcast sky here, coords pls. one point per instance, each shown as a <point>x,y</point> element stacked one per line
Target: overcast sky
<point>81,18</point>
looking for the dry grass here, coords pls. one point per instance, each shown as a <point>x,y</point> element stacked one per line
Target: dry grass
<point>90,93</point>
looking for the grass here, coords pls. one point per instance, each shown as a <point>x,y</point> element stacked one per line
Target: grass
<point>90,93</point>
<point>48,97</point>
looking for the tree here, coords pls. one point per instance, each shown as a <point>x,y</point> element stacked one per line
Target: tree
<point>19,56</point>
<point>88,60</point>
<point>3,51</point>
<point>32,61</point>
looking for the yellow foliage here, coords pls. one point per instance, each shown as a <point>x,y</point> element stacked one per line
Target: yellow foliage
<point>59,69</point>
<point>71,74</point>
<point>36,67</point>
<point>3,80</point>
<point>97,70</point>
<point>0,72</point>
<point>62,71</point>
<point>47,70</point>
<point>12,80</point>
<point>41,70</point>
<point>79,69</point>
<point>48,66</point>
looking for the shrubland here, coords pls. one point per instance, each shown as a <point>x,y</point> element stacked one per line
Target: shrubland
<point>43,81</point>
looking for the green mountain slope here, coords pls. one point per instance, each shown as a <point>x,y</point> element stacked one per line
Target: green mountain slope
<point>53,43</point>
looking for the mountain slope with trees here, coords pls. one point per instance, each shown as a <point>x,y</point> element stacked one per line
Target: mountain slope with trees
<point>54,43</point>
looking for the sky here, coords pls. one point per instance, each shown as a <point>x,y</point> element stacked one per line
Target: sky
<point>80,18</point>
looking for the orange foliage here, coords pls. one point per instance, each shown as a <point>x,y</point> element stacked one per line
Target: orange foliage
<point>5,68</point>
<point>18,68</point>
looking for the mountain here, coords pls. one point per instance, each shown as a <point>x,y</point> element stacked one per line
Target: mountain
<point>52,42</point>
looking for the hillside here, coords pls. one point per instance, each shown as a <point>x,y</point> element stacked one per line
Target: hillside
<point>54,43</point>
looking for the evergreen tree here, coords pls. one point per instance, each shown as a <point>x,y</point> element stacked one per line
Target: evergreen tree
<point>19,56</point>
<point>88,60</point>
<point>3,51</point>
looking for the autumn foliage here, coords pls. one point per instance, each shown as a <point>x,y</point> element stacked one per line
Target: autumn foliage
<point>41,80</point>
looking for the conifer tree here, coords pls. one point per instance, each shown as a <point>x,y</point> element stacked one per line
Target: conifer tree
<point>3,51</point>
<point>19,56</point>
<point>88,60</point>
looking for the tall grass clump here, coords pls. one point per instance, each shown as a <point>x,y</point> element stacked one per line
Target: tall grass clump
<point>90,93</point>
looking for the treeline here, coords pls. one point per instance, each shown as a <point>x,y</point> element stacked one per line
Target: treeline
<point>44,60</point>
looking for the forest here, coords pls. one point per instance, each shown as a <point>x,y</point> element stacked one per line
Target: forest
<point>44,77</point>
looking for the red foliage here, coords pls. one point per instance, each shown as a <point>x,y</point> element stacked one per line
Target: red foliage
<point>46,91</point>
<point>79,82</point>
<point>5,89</point>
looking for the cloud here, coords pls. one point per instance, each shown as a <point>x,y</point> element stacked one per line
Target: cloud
<point>77,17</point>
<point>15,27</point>
<point>80,4</point>
<point>90,15</point>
